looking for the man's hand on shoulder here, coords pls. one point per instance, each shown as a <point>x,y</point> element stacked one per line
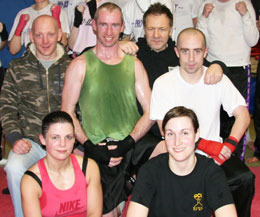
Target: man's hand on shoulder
<point>21,146</point>
<point>213,74</point>
<point>129,47</point>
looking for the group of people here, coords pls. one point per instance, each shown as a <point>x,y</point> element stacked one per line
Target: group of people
<point>100,106</point>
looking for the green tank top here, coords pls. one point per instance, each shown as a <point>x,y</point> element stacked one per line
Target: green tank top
<point>107,99</point>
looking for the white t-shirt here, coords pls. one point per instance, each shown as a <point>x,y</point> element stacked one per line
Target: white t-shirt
<point>133,17</point>
<point>68,6</point>
<point>229,35</point>
<point>120,3</point>
<point>170,90</point>
<point>184,12</point>
<point>25,39</point>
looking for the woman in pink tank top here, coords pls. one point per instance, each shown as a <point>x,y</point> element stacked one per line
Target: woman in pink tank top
<point>61,183</point>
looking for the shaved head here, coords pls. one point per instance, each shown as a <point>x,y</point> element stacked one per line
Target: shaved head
<point>191,31</point>
<point>44,18</point>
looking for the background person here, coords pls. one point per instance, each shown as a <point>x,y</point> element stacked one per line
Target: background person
<point>236,21</point>
<point>256,156</point>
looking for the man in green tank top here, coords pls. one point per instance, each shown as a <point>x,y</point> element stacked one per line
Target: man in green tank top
<point>106,82</point>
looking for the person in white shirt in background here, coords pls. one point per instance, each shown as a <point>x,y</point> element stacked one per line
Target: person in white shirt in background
<point>21,28</point>
<point>230,30</point>
<point>69,7</point>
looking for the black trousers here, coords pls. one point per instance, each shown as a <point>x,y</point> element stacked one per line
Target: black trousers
<point>115,180</point>
<point>241,182</point>
<point>257,113</point>
<point>239,77</point>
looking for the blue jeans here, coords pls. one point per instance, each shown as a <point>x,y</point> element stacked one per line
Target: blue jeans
<point>16,165</point>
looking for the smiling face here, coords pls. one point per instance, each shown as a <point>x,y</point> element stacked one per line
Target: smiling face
<point>157,31</point>
<point>180,138</point>
<point>45,34</point>
<point>108,26</point>
<point>59,140</point>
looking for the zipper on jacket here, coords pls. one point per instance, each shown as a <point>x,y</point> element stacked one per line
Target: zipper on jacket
<point>48,92</point>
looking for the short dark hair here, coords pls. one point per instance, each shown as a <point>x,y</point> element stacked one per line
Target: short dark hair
<point>53,118</point>
<point>158,9</point>
<point>110,7</point>
<point>181,111</point>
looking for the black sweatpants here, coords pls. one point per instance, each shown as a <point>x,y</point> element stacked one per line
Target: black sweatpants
<point>239,77</point>
<point>241,182</point>
<point>115,180</point>
<point>257,113</point>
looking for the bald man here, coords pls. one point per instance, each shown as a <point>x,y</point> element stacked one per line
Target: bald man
<point>31,89</point>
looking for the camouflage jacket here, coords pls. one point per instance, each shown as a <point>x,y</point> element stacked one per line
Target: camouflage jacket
<point>29,93</point>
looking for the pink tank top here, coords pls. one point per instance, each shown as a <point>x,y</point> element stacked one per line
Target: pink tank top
<point>71,202</point>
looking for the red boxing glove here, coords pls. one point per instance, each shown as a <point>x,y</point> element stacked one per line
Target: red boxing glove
<point>231,142</point>
<point>55,12</point>
<point>22,22</point>
<point>209,147</point>
<point>213,148</point>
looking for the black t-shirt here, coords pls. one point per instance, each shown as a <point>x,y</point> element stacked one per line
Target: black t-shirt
<point>166,194</point>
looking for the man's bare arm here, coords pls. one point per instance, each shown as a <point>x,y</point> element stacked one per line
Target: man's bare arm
<point>15,45</point>
<point>242,121</point>
<point>143,94</point>
<point>73,37</point>
<point>78,17</point>
<point>74,78</point>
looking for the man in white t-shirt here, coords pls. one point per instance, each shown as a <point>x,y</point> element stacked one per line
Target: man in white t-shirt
<point>184,86</point>
<point>21,28</point>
